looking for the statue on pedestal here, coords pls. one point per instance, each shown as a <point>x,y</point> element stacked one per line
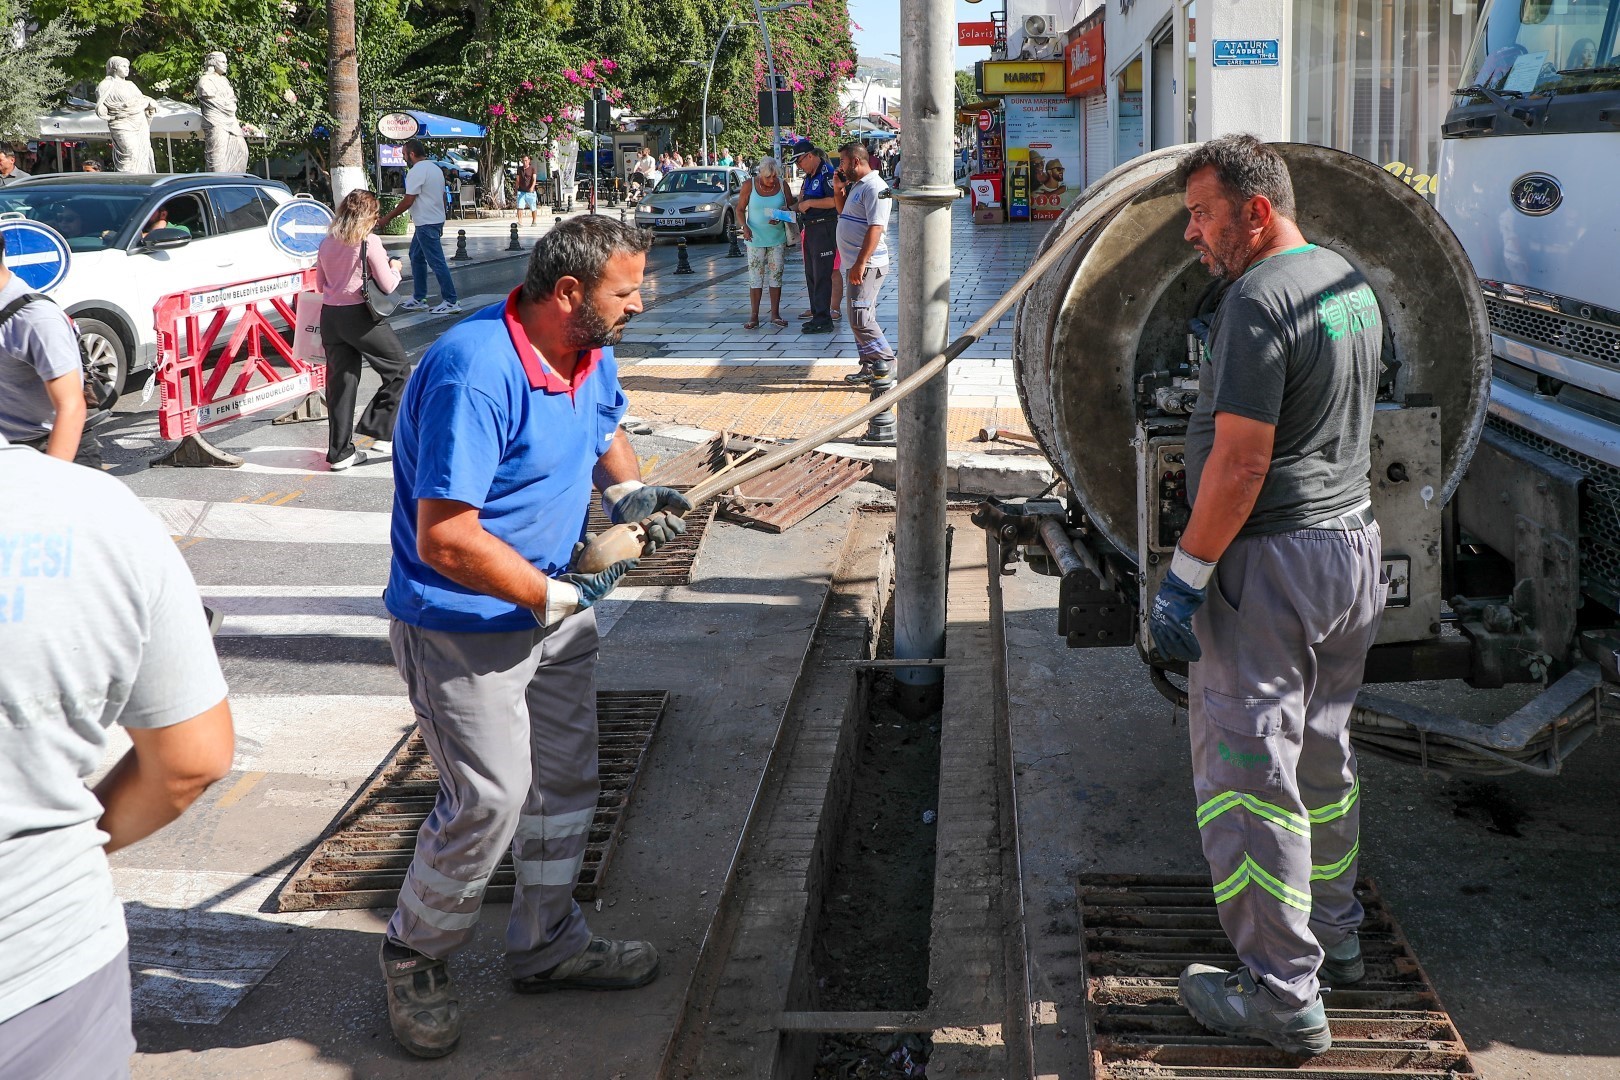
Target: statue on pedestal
<point>226,150</point>
<point>128,114</point>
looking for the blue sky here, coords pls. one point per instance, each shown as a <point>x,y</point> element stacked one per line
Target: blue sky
<point>880,27</point>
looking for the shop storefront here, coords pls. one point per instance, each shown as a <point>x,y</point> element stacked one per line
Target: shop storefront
<point>1039,137</point>
<point>1371,77</point>
<point>1085,83</point>
<point>1374,77</point>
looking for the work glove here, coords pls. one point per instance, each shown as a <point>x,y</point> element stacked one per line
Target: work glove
<point>571,593</point>
<point>1183,592</point>
<point>659,507</point>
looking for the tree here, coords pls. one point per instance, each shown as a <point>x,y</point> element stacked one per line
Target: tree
<point>30,77</point>
<point>967,88</point>
<point>343,99</point>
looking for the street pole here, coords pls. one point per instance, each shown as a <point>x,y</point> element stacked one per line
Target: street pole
<point>348,167</point>
<point>713,59</point>
<point>770,85</point>
<point>928,90</point>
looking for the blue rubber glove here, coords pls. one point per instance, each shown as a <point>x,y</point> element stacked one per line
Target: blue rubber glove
<point>659,507</point>
<point>571,593</point>
<point>1170,618</point>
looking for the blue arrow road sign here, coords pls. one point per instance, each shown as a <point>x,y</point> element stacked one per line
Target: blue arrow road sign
<point>36,253</point>
<point>299,225</point>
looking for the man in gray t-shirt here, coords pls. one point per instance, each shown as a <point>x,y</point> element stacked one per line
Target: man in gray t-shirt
<point>100,624</point>
<point>1295,344</point>
<point>1282,545</point>
<point>41,377</point>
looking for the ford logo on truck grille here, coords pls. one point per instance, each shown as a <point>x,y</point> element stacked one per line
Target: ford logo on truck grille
<point>1536,194</point>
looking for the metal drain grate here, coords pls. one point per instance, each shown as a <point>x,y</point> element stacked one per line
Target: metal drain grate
<point>361,862</point>
<point>1140,931</point>
<point>782,497</point>
<point>672,563</point>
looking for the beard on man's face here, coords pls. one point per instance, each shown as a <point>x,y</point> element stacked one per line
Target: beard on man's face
<point>1228,252</point>
<point>590,330</point>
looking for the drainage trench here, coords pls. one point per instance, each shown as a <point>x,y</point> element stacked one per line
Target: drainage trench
<point>872,934</point>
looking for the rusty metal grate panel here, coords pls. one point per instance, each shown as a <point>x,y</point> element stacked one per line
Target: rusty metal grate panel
<point>1139,932</point>
<point>782,497</point>
<point>674,562</point>
<point>361,862</point>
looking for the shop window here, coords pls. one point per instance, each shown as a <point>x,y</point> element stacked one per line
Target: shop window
<point>1373,77</point>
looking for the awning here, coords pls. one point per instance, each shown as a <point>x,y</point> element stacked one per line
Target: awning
<point>173,120</point>
<point>435,126</point>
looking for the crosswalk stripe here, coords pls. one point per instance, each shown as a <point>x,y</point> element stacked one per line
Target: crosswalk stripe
<point>272,524</point>
<point>469,304</point>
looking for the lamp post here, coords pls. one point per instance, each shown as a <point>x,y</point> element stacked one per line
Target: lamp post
<point>707,80</point>
<point>760,11</point>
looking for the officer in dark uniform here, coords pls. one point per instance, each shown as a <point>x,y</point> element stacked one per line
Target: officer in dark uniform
<point>819,213</point>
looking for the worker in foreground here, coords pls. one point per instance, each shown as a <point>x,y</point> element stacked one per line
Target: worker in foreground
<point>1274,596</point>
<point>504,426</point>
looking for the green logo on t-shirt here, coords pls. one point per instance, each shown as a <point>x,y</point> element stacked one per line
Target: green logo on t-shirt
<point>1347,313</point>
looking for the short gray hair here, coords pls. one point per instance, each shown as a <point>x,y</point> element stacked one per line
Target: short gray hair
<point>580,248</point>
<point>767,167</point>
<point>1246,167</point>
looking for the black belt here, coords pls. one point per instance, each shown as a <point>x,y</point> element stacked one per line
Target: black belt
<point>819,215</point>
<point>1349,521</point>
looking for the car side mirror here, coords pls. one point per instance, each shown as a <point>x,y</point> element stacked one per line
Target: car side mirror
<point>165,238</point>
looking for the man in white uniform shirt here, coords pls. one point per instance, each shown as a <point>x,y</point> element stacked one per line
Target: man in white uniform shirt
<point>863,218</point>
<point>424,198</point>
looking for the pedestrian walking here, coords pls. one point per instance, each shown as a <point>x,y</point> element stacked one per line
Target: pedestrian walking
<point>762,197</point>
<point>1283,546</point>
<point>528,190</point>
<point>725,159</point>
<point>100,625</point>
<point>351,332</point>
<point>818,213</point>
<point>508,420</point>
<point>863,220</point>
<point>42,376</point>
<point>425,199</point>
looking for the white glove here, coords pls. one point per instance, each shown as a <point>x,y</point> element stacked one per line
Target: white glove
<point>562,600</point>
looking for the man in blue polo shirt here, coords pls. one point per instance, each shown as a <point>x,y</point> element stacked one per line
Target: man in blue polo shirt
<point>819,217</point>
<point>506,424</point>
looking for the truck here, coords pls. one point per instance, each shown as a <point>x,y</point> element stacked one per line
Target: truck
<point>1496,443</point>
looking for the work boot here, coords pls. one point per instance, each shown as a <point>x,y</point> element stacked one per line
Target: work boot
<point>601,965</point>
<point>817,326</point>
<point>422,1005</point>
<point>1343,966</point>
<point>1230,1003</point>
<point>862,377</point>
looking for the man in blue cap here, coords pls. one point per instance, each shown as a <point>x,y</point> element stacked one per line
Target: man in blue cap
<point>818,210</point>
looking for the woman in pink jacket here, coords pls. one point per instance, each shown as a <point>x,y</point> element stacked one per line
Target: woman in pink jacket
<point>350,332</point>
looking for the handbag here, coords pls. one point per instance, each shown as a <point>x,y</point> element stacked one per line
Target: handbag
<point>379,302</point>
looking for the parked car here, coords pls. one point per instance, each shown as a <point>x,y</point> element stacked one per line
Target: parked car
<point>699,201</point>
<point>217,234</point>
<point>457,168</point>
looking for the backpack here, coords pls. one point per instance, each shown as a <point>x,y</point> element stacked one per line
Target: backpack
<point>100,395</point>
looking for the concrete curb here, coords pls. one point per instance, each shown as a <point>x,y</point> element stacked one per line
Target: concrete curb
<point>967,473</point>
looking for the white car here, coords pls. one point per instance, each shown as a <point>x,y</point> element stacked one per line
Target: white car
<point>216,232</point>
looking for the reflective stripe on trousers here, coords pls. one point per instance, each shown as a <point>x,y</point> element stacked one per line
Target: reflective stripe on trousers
<point>510,721</point>
<point>1269,703</point>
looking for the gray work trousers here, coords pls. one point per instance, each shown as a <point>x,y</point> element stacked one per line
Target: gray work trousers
<point>862,300</point>
<point>83,1033</point>
<point>510,721</point>
<point>1285,635</point>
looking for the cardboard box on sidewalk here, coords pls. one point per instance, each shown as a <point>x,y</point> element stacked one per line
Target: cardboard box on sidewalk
<point>989,215</point>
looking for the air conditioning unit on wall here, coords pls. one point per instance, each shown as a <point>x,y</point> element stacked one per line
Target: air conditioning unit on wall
<point>1040,26</point>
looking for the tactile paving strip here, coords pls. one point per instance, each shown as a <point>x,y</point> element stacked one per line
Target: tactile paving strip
<point>361,862</point>
<point>672,563</point>
<point>1139,932</point>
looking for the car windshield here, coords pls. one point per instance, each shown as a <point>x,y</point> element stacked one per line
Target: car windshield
<point>1541,46</point>
<point>696,180</point>
<point>88,218</point>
